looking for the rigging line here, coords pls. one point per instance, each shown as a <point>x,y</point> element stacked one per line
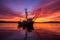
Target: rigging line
<point>36,15</point>
<point>34,18</point>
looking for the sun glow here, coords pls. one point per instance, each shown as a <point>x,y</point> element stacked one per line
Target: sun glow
<point>54,17</point>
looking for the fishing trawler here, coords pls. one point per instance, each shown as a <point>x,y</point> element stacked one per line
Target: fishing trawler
<point>26,24</point>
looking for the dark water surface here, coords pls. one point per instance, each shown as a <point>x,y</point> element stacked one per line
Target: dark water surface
<point>43,31</point>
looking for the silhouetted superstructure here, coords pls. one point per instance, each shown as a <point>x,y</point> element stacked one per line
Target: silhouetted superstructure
<point>30,25</point>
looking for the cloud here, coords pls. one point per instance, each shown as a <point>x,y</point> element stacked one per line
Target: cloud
<point>6,12</point>
<point>48,8</point>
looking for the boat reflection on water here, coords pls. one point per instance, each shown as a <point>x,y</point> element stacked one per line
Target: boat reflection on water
<point>42,31</point>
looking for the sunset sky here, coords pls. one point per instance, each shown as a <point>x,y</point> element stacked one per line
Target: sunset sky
<point>47,10</point>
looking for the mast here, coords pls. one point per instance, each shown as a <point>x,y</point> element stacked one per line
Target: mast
<point>26,13</point>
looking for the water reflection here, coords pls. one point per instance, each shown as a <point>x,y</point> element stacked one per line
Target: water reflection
<point>43,31</point>
<point>47,26</point>
<point>55,27</point>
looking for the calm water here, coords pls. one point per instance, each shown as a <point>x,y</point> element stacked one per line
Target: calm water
<point>43,31</point>
<point>55,27</point>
